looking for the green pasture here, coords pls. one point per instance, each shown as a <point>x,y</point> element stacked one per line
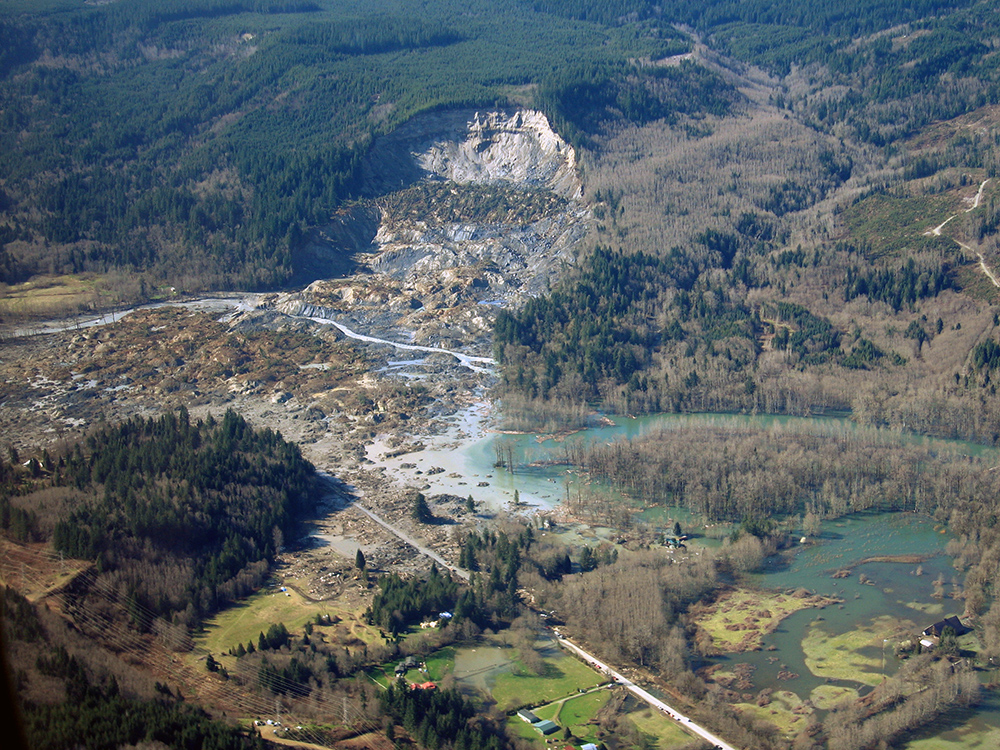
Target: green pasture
<point>855,655</point>
<point>243,622</point>
<point>662,732</point>
<point>786,711</point>
<point>562,676</point>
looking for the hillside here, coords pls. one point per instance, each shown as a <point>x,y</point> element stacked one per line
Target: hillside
<point>378,233</point>
<point>795,253</point>
<point>194,145</point>
<point>769,178</point>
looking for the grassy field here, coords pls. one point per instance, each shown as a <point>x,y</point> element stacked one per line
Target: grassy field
<point>740,618</point>
<point>49,295</point>
<point>840,657</point>
<point>663,733</point>
<point>576,713</point>
<point>244,622</point>
<point>521,729</point>
<point>826,697</point>
<point>956,731</point>
<point>439,664</point>
<point>786,711</point>
<point>563,676</point>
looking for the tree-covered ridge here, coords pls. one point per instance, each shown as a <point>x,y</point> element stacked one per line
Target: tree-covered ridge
<point>197,144</point>
<point>102,719</point>
<point>582,100</point>
<point>848,18</point>
<point>897,288</point>
<point>181,516</point>
<point>646,333</point>
<point>96,711</point>
<point>587,331</point>
<point>901,65</point>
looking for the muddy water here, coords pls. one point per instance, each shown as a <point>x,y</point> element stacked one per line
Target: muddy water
<point>477,668</point>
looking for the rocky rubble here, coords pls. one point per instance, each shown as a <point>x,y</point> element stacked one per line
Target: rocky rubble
<point>430,266</point>
<point>403,277</point>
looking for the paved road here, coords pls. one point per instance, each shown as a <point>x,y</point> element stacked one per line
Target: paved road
<point>588,658</point>
<point>336,484</point>
<point>646,696</point>
<point>414,543</point>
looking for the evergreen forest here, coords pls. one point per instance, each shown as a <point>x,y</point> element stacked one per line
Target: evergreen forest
<point>195,144</point>
<point>180,518</point>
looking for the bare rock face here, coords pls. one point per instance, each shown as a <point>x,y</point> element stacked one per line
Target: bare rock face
<point>468,211</point>
<point>517,147</point>
<point>474,146</point>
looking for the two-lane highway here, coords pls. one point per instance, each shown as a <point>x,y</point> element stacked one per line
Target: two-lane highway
<point>587,658</point>
<point>645,695</point>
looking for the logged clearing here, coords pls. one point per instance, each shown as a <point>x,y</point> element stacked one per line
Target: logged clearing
<point>35,570</point>
<point>738,619</point>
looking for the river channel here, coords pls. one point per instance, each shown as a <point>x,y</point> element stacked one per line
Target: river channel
<point>895,598</point>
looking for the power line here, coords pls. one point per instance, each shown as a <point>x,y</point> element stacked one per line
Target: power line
<point>125,641</point>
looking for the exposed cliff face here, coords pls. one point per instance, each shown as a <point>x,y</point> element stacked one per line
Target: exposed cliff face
<point>470,146</point>
<point>457,217</point>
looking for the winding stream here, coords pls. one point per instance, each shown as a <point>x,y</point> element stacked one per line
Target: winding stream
<point>463,459</point>
<point>466,360</point>
<point>231,305</point>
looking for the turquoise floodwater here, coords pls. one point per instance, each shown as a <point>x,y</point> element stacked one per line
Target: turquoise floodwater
<point>899,595</point>
<point>543,478</point>
<point>892,591</point>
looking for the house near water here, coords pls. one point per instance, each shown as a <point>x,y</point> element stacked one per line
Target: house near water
<point>953,622</point>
